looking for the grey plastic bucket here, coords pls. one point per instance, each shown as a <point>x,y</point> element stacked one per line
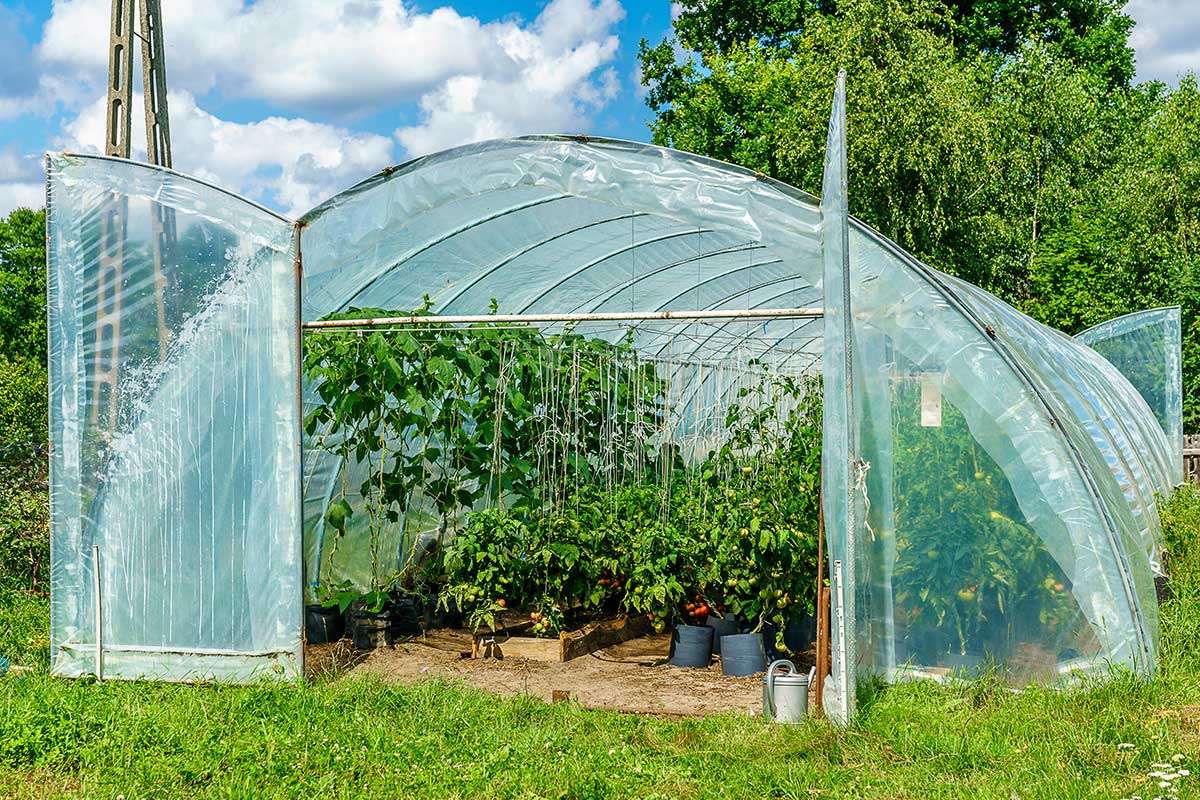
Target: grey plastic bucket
<point>785,693</point>
<point>721,627</point>
<point>691,646</point>
<point>743,654</point>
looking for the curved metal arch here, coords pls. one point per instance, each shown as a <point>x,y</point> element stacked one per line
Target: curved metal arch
<point>431,243</point>
<point>934,280</point>
<point>613,292</point>
<point>610,254</point>
<point>738,340</point>
<point>733,271</point>
<point>728,298</point>
<point>629,283</point>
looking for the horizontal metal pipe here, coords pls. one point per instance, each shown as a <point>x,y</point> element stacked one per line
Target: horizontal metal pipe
<point>180,651</point>
<point>611,316</point>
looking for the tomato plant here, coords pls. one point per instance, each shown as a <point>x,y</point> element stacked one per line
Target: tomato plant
<point>969,574</point>
<point>487,567</point>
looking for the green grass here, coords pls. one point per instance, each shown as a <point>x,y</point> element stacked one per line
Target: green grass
<point>361,738</point>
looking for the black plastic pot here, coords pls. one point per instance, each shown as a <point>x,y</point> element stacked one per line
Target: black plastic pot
<point>404,618</point>
<point>800,634</point>
<point>323,624</point>
<point>691,646</point>
<point>721,627</point>
<point>743,654</point>
<point>371,629</point>
<point>438,617</point>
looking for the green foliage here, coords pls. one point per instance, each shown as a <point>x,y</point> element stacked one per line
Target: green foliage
<point>24,627</point>
<point>460,415</point>
<point>542,456</point>
<point>999,141</point>
<point>1180,515</point>
<point>1135,241</point>
<point>23,400</point>
<point>24,519</point>
<point>1092,33</point>
<point>23,286</point>
<point>968,569</point>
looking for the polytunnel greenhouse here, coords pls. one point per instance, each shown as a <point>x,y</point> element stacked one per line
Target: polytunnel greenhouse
<point>988,485</point>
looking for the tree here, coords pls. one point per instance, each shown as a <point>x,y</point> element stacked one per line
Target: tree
<point>998,141</point>
<point>1093,34</point>
<point>963,159</point>
<point>23,285</point>
<point>1135,242</point>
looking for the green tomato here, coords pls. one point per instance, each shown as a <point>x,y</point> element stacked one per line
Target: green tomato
<point>337,514</point>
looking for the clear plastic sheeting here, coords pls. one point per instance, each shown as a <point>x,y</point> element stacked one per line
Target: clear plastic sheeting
<point>840,440</point>
<point>990,483</point>
<point>1145,347</point>
<point>174,422</point>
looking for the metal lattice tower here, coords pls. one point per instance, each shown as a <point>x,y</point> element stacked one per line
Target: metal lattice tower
<point>113,223</point>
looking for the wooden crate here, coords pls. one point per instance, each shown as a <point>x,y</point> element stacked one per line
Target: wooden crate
<point>569,644</point>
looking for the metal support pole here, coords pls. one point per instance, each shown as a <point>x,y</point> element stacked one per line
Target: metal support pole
<point>154,86</point>
<point>120,79</point>
<point>616,316</point>
<point>108,312</point>
<point>99,613</point>
<point>158,152</point>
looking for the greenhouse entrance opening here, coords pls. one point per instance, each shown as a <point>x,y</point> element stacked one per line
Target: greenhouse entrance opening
<point>987,484</point>
<point>538,473</point>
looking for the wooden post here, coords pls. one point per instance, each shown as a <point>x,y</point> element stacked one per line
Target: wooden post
<point>822,597</point>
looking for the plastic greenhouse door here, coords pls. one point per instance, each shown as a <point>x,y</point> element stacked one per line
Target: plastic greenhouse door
<point>840,425</point>
<point>175,430</point>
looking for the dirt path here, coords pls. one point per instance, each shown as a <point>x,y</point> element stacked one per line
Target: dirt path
<point>632,676</point>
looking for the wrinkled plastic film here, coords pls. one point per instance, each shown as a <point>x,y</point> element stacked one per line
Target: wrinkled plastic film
<point>174,427</point>
<point>839,439</point>
<point>1146,347</point>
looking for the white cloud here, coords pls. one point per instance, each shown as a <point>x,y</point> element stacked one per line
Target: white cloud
<point>553,77</point>
<point>21,195</point>
<point>339,60</point>
<point>1166,38</point>
<point>290,164</point>
<point>336,55</point>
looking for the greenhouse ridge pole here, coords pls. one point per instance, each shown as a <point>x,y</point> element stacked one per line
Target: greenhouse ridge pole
<point>616,316</point>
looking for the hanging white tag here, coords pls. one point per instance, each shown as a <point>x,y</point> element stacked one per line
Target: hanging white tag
<point>931,400</point>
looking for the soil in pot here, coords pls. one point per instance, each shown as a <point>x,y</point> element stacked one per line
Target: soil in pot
<point>743,654</point>
<point>691,646</point>
<point>323,624</point>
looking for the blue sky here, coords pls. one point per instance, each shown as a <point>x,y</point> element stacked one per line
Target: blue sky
<point>289,101</point>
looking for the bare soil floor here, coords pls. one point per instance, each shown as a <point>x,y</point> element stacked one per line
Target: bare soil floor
<point>633,676</point>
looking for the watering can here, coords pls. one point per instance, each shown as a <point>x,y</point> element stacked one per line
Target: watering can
<point>785,694</point>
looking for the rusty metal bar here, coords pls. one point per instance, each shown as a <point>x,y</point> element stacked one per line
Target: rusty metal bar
<point>616,316</point>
